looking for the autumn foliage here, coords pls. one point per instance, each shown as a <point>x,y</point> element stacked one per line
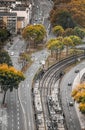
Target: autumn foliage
<point>79,95</point>
<point>34,33</point>
<point>9,75</point>
<point>68,13</point>
<point>59,43</point>
<point>9,78</point>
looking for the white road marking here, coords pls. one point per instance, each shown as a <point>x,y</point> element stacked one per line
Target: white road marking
<point>11,111</point>
<point>12,120</point>
<point>17,109</point>
<point>17,105</point>
<point>18,122</point>
<point>18,114</point>
<point>18,118</point>
<point>12,125</point>
<point>18,127</point>
<point>29,123</point>
<point>12,115</point>
<point>28,85</point>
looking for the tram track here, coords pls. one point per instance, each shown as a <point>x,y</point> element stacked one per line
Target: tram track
<point>52,110</point>
<point>47,82</point>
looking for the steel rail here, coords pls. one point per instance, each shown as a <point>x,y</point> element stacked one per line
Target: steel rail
<point>47,81</point>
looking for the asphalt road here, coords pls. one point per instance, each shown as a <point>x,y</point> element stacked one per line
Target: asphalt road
<point>40,14</point>
<point>14,112</point>
<point>20,117</point>
<point>70,113</point>
<point>25,88</point>
<point>20,114</point>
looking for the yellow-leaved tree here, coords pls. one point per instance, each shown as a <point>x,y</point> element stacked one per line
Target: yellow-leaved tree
<point>9,78</point>
<point>34,34</point>
<point>79,95</point>
<point>55,44</point>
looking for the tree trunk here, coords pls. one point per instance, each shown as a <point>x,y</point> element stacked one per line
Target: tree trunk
<point>56,54</point>
<point>59,55</point>
<point>66,50</point>
<point>29,46</point>
<point>4,97</point>
<point>51,53</point>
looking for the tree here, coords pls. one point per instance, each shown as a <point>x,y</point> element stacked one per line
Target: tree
<point>5,58</point>
<point>68,32</point>
<point>61,1</point>
<point>55,45</point>
<point>63,18</point>
<point>4,34</point>
<point>77,31</point>
<point>24,58</point>
<point>60,45</point>
<point>9,78</point>
<point>63,12</point>
<point>77,9</point>
<point>79,95</point>
<point>67,41</point>
<point>58,30</point>
<point>80,32</point>
<point>76,40</point>
<point>82,107</point>
<point>51,44</point>
<point>34,33</point>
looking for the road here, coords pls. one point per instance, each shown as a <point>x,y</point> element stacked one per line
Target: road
<point>25,89</point>
<point>41,9</point>
<point>16,119</point>
<point>70,113</point>
<point>19,111</point>
<point>14,112</point>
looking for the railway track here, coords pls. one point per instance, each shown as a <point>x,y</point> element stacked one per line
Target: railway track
<point>53,115</point>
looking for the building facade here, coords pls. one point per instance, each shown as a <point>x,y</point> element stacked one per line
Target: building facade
<point>16,14</point>
<point>10,20</point>
<point>6,3</point>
